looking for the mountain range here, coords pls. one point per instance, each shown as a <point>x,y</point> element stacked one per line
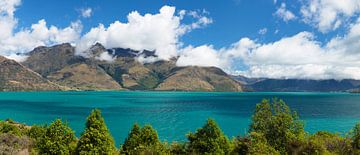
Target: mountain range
<point>60,68</point>
<point>298,85</point>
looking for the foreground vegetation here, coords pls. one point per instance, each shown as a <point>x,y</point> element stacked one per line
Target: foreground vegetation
<point>275,129</point>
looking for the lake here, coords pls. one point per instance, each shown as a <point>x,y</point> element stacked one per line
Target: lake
<point>174,114</point>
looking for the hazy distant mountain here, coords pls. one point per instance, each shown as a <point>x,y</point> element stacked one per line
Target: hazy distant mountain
<point>302,85</point>
<point>247,81</point>
<point>16,77</point>
<point>60,64</point>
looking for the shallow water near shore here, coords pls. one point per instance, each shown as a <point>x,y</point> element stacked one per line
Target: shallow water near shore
<point>174,114</point>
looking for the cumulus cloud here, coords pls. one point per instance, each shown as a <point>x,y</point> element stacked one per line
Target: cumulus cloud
<point>105,56</point>
<point>86,12</point>
<point>283,13</point>
<point>200,56</point>
<point>39,34</point>
<point>328,15</point>
<point>155,32</point>
<point>297,56</point>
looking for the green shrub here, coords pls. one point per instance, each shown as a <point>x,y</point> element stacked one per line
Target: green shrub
<point>96,139</point>
<point>208,140</point>
<point>6,127</point>
<point>178,148</point>
<point>143,141</point>
<point>36,132</point>
<point>57,139</point>
<point>281,127</point>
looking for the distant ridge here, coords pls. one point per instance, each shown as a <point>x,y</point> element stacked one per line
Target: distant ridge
<point>298,85</point>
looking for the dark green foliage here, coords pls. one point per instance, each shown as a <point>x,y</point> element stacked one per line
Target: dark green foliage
<point>254,144</point>
<point>241,145</point>
<point>143,140</point>
<point>36,132</point>
<point>260,146</point>
<point>57,139</point>
<point>281,127</point>
<point>133,139</point>
<point>356,138</point>
<point>178,148</point>
<point>96,138</point>
<point>6,127</point>
<point>209,140</point>
<point>326,143</point>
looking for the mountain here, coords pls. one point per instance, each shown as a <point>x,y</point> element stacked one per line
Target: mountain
<point>245,80</point>
<point>119,69</point>
<point>45,60</point>
<point>16,77</point>
<point>300,85</point>
<point>199,79</point>
<point>84,77</point>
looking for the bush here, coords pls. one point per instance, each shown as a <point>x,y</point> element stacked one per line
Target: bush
<point>143,141</point>
<point>57,139</point>
<point>96,139</point>
<point>208,140</point>
<point>6,127</point>
<point>355,138</point>
<point>280,126</point>
<point>178,148</point>
<point>36,132</point>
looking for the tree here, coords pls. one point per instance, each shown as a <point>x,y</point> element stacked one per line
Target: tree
<point>37,132</point>
<point>96,138</point>
<point>280,126</point>
<point>356,138</point>
<point>57,139</point>
<point>143,141</point>
<point>323,142</point>
<point>209,139</point>
<point>133,139</point>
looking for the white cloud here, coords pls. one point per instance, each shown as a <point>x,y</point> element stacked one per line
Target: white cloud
<point>284,14</point>
<point>263,31</point>
<point>7,20</point>
<point>200,56</point>
<point>327,15</point>
<point>298,56</point>
<point>17,57</point>
<point>105,56</point>
<point>159,32</point>
<point>28,38</point>
<point>86,12</point>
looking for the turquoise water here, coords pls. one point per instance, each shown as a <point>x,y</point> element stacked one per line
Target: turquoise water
<point>174,114</point>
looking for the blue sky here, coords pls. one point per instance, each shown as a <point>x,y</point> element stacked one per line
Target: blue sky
<point>310,39</point>
<point>233,19</point>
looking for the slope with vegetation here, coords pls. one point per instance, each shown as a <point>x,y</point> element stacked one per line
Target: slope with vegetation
<point>16,77</point>
<point>275,129</point>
